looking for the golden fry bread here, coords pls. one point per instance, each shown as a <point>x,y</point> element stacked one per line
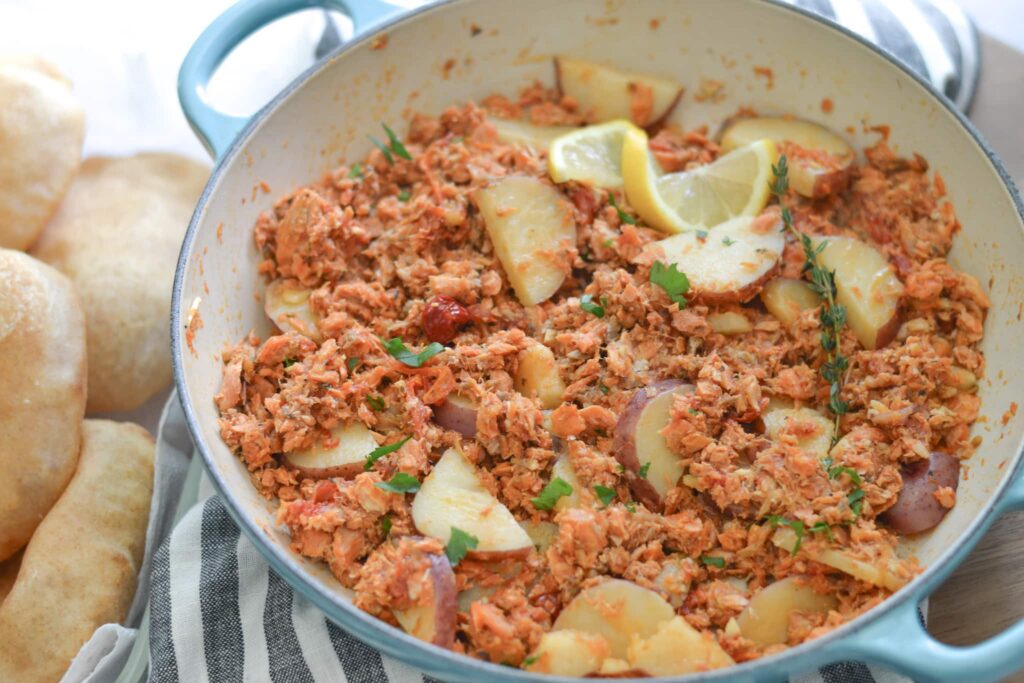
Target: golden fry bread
<point>80,569</point>
<point>42,126</point>
<point>117,237</point>
<point>42,343</point>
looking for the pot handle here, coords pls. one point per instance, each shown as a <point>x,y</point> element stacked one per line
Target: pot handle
<point>899,640</point>
<point>215,129</point>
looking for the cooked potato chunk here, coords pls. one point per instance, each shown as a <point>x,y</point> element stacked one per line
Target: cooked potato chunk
<point>528,134</point>
<point>452,496</point>
<point>867,286</point>
<point>729,323</point>
<point>878,572</point>
<point>287,305</point>
<point>808,428</point>
<point>917,509</point>
<point>569,653</point>
<point>434,622</point>
<point>343,458</point>
<point>529,225</point>
<point>537,376</point>
<point>730,263</point>
<point>457,414</point>
<point>785,299</point>
<point>677,648</point>
<point>541,533</point>
<point>618,610</point>
<point>604,93</point>
<point>564,470</point>
<point>765,620</point>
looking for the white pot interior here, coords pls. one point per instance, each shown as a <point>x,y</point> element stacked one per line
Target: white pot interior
<point>327,119</point>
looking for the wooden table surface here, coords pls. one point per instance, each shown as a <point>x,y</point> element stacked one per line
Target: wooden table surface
<point>986,594</point>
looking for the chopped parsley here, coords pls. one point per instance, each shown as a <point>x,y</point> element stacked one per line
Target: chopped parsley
<point>356,171</point>
<point>588,305</point>
<point>379,452</point>
<point>400,483</point>
<point>604,494</point>
<point>836,471</point>
<point>631,506</point>
<point>609,243</point>
<point>398,350</point>
<point>288,362</point>
<point>604,388</point>
<point>728,241</point>
<point>796,525</point>
<point>376,403</point>
<point>856,501</point>
<point>459,544</point>
<point>555,489</point>
<point>385,524</point>
<point>823,528</point>
<point>396,145</point>
<point>351,364</point>
<point>644,469</point>
<point>623,216</point>
<point>532,659</point>
<point>675,284</point>
<point>404,195</point>
<point>713,561</point>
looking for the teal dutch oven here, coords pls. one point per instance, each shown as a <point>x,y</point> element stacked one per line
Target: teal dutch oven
<point>397,63</point>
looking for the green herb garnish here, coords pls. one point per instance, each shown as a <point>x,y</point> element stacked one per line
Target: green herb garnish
<point>379,452</point>
<point>623,216</point>
<point>288,362</point>
<point>383,149</point>
<point>823,528</point>
<point>385,524</point>
<point>403,196</point>
<point>376,403</point>
<point>713,561</point>
<point>396,145</point>
<point>856,501</point>
<point>555,489</point>
<point>459,544</point>
<point>604,494</point>
<point>702,235</point>
<point>796,525</point>
<point>604,389</point>
<point>532,659</point>
<point>728,241</point>
<point>351,364</point>
<point>356,171</point>
<point>400,483</point>
<point>823,282</point>
<point>588,305</point>
<point>396,347</point>
<point>644,469</point>
<point>630,506</point>
<point>675,284</point>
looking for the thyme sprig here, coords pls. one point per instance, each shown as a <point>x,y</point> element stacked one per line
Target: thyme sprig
<point>823,282</point>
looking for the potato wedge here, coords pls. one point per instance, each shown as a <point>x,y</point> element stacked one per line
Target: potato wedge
<point>677,648</point>
<point>603,93</point>
<point>730,263</point>
<point>729,323</point>
<point>811,430</point>
<point>528,134</point>
<point>638,441</point>
<point>785,299</point>
<point>344,457</point>
<point>564,470</point>
<point>530,225</point>
<point>452,496</point>
<point>765,620</point>
<point>916,509</point>
<point>569,653</point>
<point>537,376</point>
<point>434,622</point>
<point>541,533</point>
<point>457,414</point>
<point>882,573</point>
<point>618,610</point>
<point>287,304</point>
<point>819,160</point>
<point>867,286</point>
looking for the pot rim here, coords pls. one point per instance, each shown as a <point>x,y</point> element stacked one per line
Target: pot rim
<point>795,659</point>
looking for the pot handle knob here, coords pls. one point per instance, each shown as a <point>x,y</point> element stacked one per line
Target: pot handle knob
<point>898,639</point>
<point>215,129</point>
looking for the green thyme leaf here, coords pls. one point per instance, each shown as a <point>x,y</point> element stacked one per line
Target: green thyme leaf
<point>588,305</point>
<point>836,471</point>
<point>644,469</point>
<point>604,494</point>
<point>675,284</point>
<point>713,561</point>
<point>376,403</point>
<point>396,144</point>
<point>623,216</point>
<point>459,544</point>
<point>555,489</point>
<point>383,149</point>
<point>379,452</point>
<point>400,483</point>
<point>356,171</point>
<point>396,347</point>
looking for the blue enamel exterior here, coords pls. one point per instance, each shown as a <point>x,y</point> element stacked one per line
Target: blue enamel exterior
<point>892,635</point>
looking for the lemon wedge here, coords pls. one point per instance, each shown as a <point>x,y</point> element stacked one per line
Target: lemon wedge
<point>735,185</point>
<point>591,155</point>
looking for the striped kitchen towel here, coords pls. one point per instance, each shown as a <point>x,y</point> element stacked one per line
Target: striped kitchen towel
<point>219,614</point>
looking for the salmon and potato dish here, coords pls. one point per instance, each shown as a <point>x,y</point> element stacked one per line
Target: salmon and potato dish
<point>559,385</point>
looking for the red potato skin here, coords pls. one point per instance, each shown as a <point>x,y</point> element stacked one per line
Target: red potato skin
<point>456,417</point>
<point>916,509</point>
<point>888,331</point>
<point>446,605</point>
<point>740,295</point>
<point>630,673</point>
<point>348,471</point>
<point>624,444</point>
